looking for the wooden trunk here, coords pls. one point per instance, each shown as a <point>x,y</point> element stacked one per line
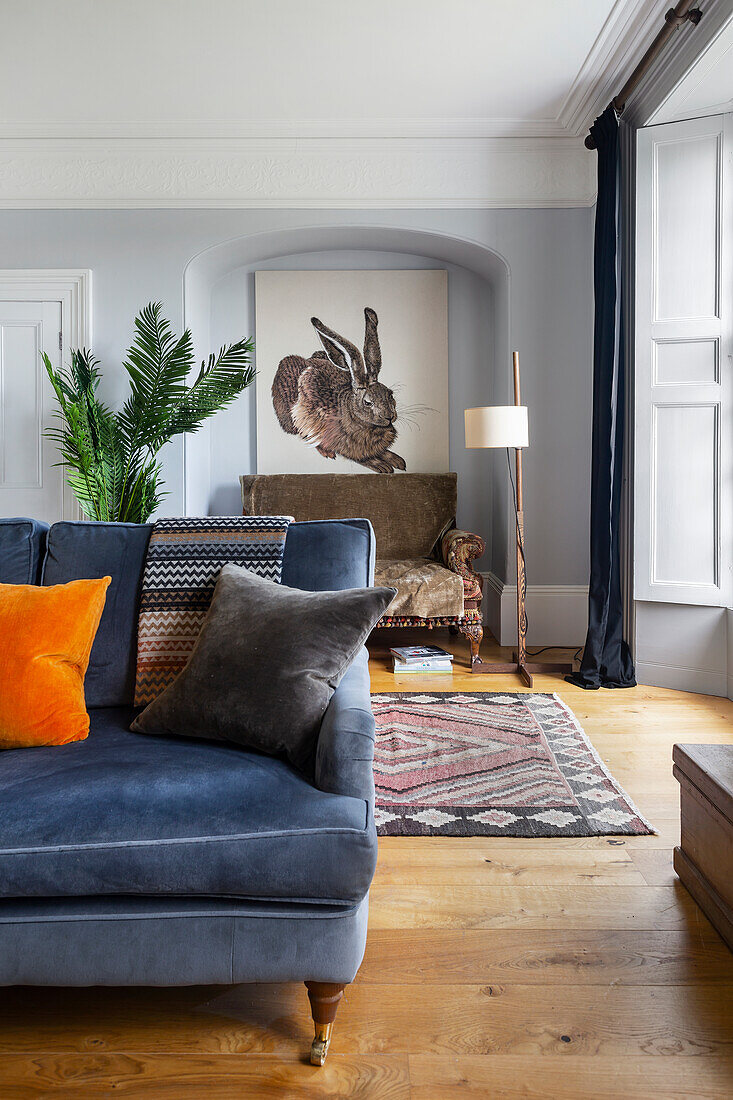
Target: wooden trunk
<point>704,859</point>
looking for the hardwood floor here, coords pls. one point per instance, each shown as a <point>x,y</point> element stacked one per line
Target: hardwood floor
<point>495,968</point>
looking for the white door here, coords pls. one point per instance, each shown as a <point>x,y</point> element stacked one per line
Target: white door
<point>31,484</point>
<point>684,407</point>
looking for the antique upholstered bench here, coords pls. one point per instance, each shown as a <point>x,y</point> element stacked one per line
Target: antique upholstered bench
<point>420,552</point>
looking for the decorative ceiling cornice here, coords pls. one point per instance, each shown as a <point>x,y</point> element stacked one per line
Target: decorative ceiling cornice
<point>264,130</point>
<point>83,173</point>
<point>624,37</point>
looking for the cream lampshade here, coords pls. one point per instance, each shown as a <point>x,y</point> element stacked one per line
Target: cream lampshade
<point>497,426</point>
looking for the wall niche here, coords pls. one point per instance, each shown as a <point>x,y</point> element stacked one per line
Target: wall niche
<point>219,307</point>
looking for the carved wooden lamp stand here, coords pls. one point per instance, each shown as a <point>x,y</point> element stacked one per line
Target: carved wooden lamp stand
<point>508,426</point>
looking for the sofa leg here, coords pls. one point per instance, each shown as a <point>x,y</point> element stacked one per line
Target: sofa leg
<point>474,632</point>
<point>324,998</point>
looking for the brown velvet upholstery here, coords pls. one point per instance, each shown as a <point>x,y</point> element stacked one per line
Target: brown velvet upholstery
<point>425,589</point>
<point>409,512</point>
<point>419,552</point>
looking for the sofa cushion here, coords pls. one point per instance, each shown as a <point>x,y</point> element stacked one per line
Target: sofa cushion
<point>118,550</point>
<point>318,557</point>
<point>46,637</point>
<point>409,512</point>
<point>326,556</point>
<point>22,545</point>
<point>265,664</point>
<point>124,814</point>
<point>425,589</point>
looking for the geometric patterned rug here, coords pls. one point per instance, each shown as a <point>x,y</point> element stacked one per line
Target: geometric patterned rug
<point>485,763</point>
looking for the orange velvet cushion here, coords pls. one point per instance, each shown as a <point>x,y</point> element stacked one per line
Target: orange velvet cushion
<point>46,637</point>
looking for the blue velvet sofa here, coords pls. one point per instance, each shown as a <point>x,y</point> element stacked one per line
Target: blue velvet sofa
<point>131,860</point>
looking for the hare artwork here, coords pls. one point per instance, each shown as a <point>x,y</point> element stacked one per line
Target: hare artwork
<point>334,401</point>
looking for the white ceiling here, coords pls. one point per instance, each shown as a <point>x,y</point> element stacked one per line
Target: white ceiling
<point>500,67</point>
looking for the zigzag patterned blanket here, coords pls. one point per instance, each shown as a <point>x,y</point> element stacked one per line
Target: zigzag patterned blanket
<point>184,559</point>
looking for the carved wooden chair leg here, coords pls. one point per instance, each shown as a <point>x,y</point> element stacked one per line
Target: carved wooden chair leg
<point>474,632</point>
<point>324,998</point>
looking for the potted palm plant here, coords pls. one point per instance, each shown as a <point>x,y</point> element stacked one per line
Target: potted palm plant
<point>111,458</point>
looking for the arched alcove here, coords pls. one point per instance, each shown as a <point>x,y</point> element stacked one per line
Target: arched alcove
<point>219,306</point>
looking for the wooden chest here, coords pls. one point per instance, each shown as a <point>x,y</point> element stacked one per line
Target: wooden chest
<point>704,860</point>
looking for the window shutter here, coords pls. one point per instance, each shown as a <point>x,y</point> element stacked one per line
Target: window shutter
<point>683,485</point>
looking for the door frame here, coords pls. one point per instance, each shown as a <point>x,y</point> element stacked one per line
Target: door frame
<point>72,287</point>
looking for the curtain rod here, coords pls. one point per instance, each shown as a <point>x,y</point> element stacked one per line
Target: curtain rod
<point>683,12</point>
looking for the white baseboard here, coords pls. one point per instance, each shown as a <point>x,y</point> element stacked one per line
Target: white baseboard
<point>685,647</point>
<point>699,680</point>
<point>557,614</point>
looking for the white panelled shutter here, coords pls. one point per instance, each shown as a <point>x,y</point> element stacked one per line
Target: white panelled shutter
<point>683,486</point>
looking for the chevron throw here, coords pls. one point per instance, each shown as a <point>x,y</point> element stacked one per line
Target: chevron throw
<point>183,562</point>
<point>491,764</point>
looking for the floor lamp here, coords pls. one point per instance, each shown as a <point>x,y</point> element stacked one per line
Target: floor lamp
<point>508,426</point>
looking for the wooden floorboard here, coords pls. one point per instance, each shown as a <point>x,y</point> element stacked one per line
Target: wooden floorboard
<point>509,1077</point>
<point>495,968</point>
<point>220,1077</point>
<point>539,957</point>
<point>558,907</point>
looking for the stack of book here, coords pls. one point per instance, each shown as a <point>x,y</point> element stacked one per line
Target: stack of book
<point>421,658</point>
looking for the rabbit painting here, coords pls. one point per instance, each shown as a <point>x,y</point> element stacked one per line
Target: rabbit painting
<point>334,400</point>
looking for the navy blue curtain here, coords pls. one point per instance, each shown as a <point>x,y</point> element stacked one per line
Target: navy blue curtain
<point>606,657</point>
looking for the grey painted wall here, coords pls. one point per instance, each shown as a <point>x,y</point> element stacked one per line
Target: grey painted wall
<point>138,255</point>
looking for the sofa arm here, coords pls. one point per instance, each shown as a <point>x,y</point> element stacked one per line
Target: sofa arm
<point>459,548</point>
<point>345,749</point>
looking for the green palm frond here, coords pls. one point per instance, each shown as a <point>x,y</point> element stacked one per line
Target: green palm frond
<point>219,381</point>
<point>88,435</point>
<point>110,458</point>
<point>157,365</point>
<point>142,492</point>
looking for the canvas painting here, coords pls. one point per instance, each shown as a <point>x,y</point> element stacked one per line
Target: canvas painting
<point>352,371</point>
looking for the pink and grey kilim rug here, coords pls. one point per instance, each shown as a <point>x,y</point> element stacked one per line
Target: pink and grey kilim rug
<point>491,764</point>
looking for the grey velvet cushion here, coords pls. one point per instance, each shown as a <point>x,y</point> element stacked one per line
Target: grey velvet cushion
<point>266,663</point>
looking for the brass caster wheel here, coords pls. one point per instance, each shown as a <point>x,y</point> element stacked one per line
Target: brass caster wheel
<point>319,1050</point>
<point>320,1045</point>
